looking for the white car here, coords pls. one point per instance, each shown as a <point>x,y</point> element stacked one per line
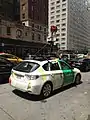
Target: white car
<point>42,77</point>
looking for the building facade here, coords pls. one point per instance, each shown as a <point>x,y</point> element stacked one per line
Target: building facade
<point>18,38</point>
<point>71,19</point>
<point>35,15</point>
<point>23,26</point>
<point>36,10</point>
<point>9,10</point>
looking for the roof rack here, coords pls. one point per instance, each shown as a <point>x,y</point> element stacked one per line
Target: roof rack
<point>44,57</point>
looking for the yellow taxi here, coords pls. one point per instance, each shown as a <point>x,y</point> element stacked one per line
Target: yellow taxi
<point>11,57</point>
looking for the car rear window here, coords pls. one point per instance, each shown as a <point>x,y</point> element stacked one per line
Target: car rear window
<point>26,66</point>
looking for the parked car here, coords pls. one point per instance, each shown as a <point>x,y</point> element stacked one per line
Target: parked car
<point>82,64</point>
<point>11,57</point>
<point>5,69</point>
<point>42,77</point>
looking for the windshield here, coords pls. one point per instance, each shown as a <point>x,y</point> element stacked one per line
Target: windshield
<point>26,66</point>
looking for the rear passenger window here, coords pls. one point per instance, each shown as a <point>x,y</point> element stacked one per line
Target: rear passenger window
<point>54,66</point>
<point>46,67</point>
<point>51,66</point>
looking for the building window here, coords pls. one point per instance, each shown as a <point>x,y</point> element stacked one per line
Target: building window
<point>64,9</point>
<point>58,7</point>
<point>63,48</point>
<point>44,29</point>
<point>63,0</point>
<point>57,35</point>
<point>58,1</point>
<point>64,14</point>
<point>64,19</point>
<point>52,22</point>
<point>63,29</point>
<point>8,31</point>
<point>63,24</point>
<point>63,34</point>
<point>57,16</point>
<point>64,5</point>
<point>58,25</point>
<point>33,36</point>
<point>57,21</point>
<point>52,8</point>
<point>63,43</point>
<point>62,39</point>
<point>52,12</point>
<point>58,11</point>
<point>52,17</point>
<point>23,23</point>
<point>23,15</point>
<point>23,7</point>
<point>52,3</point>
<point>39,37</point>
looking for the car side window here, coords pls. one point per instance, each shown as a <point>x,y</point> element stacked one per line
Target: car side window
<point>51,66</point>
<point>46,67</point>
<point>54,66</point>
<point>64,66</point>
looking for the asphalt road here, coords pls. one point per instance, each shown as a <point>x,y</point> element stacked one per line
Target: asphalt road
<point>70,103</point>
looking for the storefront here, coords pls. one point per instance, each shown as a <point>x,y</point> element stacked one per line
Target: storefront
<point>18,47</point>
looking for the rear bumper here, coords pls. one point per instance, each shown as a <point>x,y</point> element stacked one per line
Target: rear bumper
<point>25,87</point>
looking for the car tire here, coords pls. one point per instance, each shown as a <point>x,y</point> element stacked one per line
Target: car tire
<point>46,90</point>
<point>77,79</point>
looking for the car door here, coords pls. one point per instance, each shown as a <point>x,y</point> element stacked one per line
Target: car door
<point>56,74</point>
<point>67,72</point>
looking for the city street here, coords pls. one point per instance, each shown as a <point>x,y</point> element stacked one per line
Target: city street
<point>70,103</point>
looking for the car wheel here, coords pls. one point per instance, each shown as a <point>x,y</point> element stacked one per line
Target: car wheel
<point>46,90</point>
<point>78,79</point>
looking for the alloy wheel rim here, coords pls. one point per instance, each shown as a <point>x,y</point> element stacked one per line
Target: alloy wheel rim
<point>78,79</point>
<point>47,90</point>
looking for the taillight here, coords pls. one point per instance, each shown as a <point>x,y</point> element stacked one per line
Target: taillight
<point>10,81</point>
<point>32,77</point>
